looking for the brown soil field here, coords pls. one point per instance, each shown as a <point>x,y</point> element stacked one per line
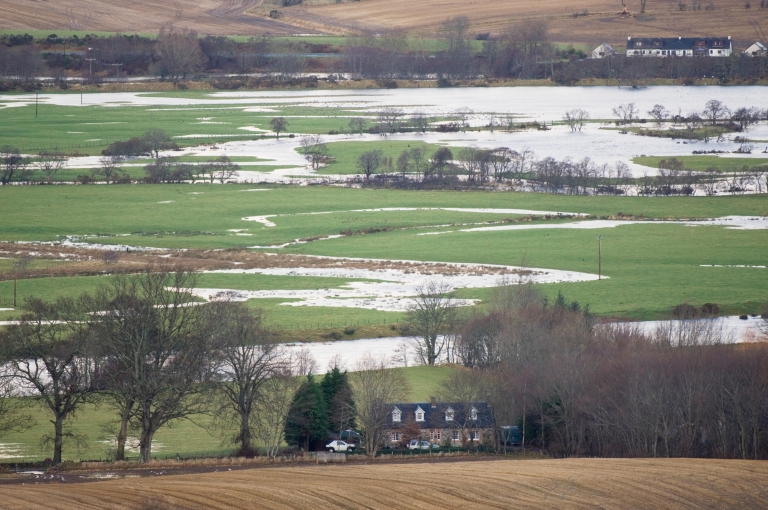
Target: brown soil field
<point>603,22</point>
<point>570,483</point>
<point>221,17</point>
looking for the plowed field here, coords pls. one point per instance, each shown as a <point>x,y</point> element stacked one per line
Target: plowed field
<point>577,483</point>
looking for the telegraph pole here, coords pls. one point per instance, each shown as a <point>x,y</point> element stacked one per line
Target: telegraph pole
<point>599,257</point>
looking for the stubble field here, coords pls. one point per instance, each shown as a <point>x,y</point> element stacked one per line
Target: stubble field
<point>571,483</point>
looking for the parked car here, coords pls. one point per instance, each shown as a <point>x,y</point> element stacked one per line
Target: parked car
<point>349,435</point>
<point>338,445</point>
<point>415,444</point>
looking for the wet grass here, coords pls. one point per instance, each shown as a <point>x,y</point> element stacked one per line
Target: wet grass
<point>704,163</point>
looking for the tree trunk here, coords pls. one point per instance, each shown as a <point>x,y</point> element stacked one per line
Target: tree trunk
<point>58,425</point>
<point>245,433</point>
<point>122,435</point>
<point>146,445</point>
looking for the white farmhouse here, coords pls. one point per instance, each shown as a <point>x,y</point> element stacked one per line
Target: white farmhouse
<point>605,50</point>
<point>756,50</point>
<point>679,47</point>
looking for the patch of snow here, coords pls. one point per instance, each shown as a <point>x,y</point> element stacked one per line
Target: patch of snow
<point>166,202</point>
<point>261,219</point>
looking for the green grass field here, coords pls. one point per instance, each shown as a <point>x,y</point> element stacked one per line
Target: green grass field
<point>703,163</point>
<point>192,437</point>
<point>347,154</point>
<point>650,267</point>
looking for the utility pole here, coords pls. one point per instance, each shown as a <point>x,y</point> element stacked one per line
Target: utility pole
<point>599,257</point>
<point>35,104</point>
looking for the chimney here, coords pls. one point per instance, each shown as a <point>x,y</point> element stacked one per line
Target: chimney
<point>433,402</point>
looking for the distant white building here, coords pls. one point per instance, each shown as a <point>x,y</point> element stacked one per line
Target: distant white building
<point>603,51</point>
<point>756,50</point>
<point>679,47</point>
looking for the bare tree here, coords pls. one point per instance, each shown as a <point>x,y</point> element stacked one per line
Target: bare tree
<point>357,125</point>
<point>463,114</point>
<point>161,347</point>
<point>369,162</point>
<point>374,386</point>
<point>157,140</point>
<point>715,111</point>
<point>108,167</point>
<point>418,161</point>
<point>47,352</point>
<point>221,169</point>
<point>12,417</point>
<point>50,162</point>
<point>389,119</point>
<point>279,124</point>
<point>432,312</point>
<point>178,54</point>
<point>249,359</point>
<point>440,159</point>
<point>13,164</point>
<point>270,411</point>
<point>420,122</point>
<point>659,113</point>
<point>576,119</point>
<point>627,113</point>
<point>314,149</point>
<point>403,163</point>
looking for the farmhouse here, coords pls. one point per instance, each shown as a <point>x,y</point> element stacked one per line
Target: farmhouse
<point>439,422</point>
<point>605,50</point>
<point>679,47</point>
<point>756,50</point>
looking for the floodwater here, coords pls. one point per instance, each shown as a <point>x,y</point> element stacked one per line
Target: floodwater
<point>543,104</point>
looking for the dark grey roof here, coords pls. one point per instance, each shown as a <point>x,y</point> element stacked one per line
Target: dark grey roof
<point>434,417</point>
<point>679,43</point>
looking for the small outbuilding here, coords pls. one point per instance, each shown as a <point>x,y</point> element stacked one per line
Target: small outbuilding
<point>756,50</point>
<point>605,50</point>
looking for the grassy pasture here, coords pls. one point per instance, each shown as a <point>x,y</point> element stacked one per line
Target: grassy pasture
<point>703,163</point>
<point>347,154</point>
<point>185,437</point>
<point>88,129</point>
<point>651,266</point>
<point>524,483</point>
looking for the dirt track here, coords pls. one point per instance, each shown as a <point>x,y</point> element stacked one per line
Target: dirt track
<point>572,483</point>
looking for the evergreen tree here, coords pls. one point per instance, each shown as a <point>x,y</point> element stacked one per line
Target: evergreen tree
<point>308,419</point>
<point>339,400</point>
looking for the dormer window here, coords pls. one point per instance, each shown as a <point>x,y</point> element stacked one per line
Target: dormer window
<point>473,414</point>
<point>449,414</point>
<point>396,415</point>
<point>419,414</point>
<point>638,44</point>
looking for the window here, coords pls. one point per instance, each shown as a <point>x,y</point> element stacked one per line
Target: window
<point>475,435</point>
<point>449,414</point>
<point>439,435</point>
<point>455,435</point>
<point>431,435</point>
<point>395,436</point>
<point>638,44</point>
<point>419,414</point>
<point>396,414</point>
<point>473,414</point>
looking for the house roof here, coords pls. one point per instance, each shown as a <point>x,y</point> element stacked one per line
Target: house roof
<point>760,46</point>
<point>679,43</point>
<point>434,417</point>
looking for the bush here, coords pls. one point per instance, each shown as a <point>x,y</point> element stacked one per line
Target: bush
<point>685,311</point>
<point>443,83</point>
<point>134,146</point>
<point>349,331</point>
<point>710,309</point>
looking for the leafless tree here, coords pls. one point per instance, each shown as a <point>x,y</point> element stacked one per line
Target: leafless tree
<point>369,162</point>
<point>432,313</point>
<point>221,169</point>
<point>250,357</point>
<point>403,163</point>
<point>420,122</point>
<point>161,348</point>
<point>48,354</point>
<point>178,54</point>
<point>463,114</point>
<point>13,164</point>
<point>50,162</point>
<point>270,411</point>
<point>374,386</point>
<point>467,388</point>
<point>279,124</point>
<point>418,161</point>
<point>12,415</point>
<point>715,111</point>
<point>357,124</point>
<point>314,149</point>
<point>439,161</point>
<point>389,119</point>
<point>157,140</point>
<point>627,113</point>
<point>108,167</point>
<point>575,119</point>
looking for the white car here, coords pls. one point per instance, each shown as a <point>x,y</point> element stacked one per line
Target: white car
<point>338,445</point>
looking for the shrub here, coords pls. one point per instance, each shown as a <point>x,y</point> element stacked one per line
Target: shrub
<point>349,331</point>
<point>710,309</point>
<point>685,311</point>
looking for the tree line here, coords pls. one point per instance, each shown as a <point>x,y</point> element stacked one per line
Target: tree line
<point>143,347</point>
<point>577,388</point>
